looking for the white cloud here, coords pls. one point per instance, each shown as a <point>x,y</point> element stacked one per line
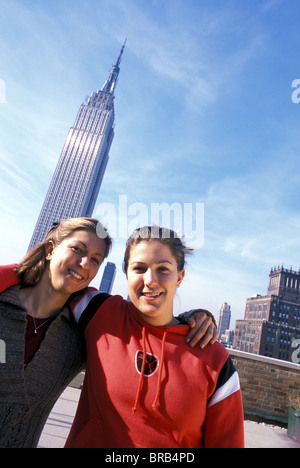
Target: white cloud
<point>269,5</point>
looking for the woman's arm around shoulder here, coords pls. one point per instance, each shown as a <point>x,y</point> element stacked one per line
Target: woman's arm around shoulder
<point>8,276</point>
<point>85,305</point>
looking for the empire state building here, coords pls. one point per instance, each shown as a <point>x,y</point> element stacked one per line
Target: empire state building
<point>79,172</point>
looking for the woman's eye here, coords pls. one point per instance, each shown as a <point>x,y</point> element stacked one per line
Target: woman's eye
<point>163,269</point>
<point>76,249</point>
<point>138,269</point>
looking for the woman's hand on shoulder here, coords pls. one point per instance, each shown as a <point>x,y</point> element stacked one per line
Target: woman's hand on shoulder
<point>203,328</point>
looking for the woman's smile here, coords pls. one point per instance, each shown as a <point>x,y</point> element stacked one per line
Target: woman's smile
<point>75,275</point>
<point>151,296</point>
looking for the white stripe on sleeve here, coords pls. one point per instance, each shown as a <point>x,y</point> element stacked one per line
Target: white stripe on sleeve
<point>231,386</point>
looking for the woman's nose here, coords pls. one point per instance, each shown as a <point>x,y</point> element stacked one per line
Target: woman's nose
<point>150,277</point>
<point>84,262</point>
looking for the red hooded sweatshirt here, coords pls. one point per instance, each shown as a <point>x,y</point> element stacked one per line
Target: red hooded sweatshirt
<point>145,387</point>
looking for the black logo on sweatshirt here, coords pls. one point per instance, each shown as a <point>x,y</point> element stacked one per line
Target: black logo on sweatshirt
<point>151,364</point>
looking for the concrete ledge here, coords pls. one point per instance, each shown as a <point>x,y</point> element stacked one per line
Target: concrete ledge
<point>258,357</point>
<point>267,384</point>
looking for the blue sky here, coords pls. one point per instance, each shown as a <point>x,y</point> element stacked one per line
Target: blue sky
<point>203,115</point>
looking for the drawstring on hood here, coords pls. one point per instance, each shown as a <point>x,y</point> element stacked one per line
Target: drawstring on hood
<point>155,403</point>
<point>140,386</point>
<point>139,390</point>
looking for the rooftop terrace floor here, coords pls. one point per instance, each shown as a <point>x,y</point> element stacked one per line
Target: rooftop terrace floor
<point>56,430</point>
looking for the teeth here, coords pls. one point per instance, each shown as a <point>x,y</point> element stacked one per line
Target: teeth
<point>73,273</point>
<point>151,294</point>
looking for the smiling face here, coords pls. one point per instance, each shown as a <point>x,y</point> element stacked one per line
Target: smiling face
<point>153,278</point>
<point>75,261</point>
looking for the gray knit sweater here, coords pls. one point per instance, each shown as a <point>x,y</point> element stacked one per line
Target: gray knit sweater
<point>28,393</point>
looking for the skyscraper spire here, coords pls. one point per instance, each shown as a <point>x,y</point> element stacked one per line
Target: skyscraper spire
<point>121,53</point>
<point>110,83</point>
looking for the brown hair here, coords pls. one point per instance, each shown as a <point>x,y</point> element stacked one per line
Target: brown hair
<point>29,271</point>
<point>163,235</point>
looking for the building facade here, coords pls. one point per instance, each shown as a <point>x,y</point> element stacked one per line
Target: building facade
<point>108,278</point>
<point>78,175</point>
<point>271,324</point>
<point>224,318</point>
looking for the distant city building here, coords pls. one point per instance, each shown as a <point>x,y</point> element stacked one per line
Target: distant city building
<point>226,339</point>
<point>271,323</point>
<point>224,317</point>
<point>108,278</point>
<point>77,178</point>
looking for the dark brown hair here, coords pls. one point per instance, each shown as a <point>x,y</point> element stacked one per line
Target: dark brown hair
<point>163,235</point>
<point>29,271</point>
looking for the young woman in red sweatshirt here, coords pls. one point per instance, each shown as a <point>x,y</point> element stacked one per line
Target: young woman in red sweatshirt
<point>143,386</point>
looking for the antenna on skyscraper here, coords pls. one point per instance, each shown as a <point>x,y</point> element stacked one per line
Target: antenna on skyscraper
<point>121,53</point>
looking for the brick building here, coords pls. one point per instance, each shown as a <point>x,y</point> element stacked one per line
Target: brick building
<point>271,323</point>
